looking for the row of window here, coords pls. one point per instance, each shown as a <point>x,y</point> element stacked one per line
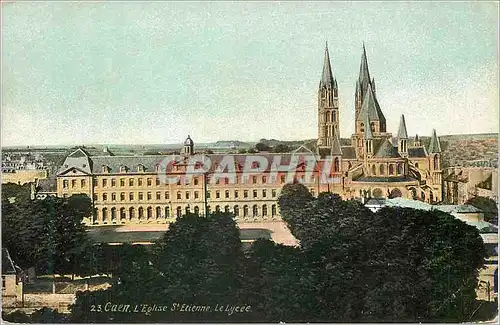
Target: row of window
<point>159,213</point>
<point>149,181</point>
<point>381,169</point>
<point>187,195</point>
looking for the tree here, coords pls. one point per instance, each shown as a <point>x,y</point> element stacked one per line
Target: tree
<point>281,148</point>
<point>487,205</point>
<point>262,147</point>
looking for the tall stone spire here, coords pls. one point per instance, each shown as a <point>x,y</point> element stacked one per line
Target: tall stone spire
<point>363,83</point>
<point>435,145</point>
<point>364,74</point>
<point>327,75</point>
<point>402,134</point>
<point>328,106</point>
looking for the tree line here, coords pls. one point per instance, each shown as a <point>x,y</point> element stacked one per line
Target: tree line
<point>352,265</point>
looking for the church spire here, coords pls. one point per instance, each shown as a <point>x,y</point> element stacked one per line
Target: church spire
<point>402,134</point>
<point>434,146</point>
<point>364,74</point>
<point>327,76</point>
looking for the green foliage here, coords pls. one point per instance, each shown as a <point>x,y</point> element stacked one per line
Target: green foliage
<point>17,316</point>
<point>262,147</point>
<point>17,193</point>
<point>487,205</point>
<point>281,148</point>
<point>48,234</point>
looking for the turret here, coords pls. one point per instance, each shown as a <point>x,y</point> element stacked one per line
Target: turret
<point>417,142</point>
<point>188,147</point>
<point>402,138</point>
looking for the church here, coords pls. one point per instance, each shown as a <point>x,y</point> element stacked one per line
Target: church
<point>128,189</point>
<point>375,164</point>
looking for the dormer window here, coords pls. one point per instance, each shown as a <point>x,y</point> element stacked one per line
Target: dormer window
<point>255,164</point>
<point>123,169</point>
<point>105,169</point>
<point>141,168</point>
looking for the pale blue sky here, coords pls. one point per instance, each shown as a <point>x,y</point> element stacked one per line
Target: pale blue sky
<point>138,72</point>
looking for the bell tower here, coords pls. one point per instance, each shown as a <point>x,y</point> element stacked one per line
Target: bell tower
<point>328,106</point>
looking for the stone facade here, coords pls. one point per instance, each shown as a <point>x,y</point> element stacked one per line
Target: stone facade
<point>128,189</point>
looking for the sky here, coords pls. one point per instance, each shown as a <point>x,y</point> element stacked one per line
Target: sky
<point>154,72</point>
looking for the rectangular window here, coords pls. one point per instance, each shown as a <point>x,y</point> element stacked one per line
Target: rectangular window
<point>141,196</point>
<point>131,196</point>
<point>104,197</point>
<point>196,194</point>
<point>131,182</point>
<point>179,195</point>
<point>122,182</point>
<point>245,194</point>
<point>73,183</point>
<point>113,182</point>
<point>226,181</point>
<point>196,181</point>
<point>65,183</point>
<point>264,193</point>
<point>264,179</point>
<point>254,194</point>
<point>158,195</point>
<point>113,196</point>
<point>254,179</point>
<point>167,195</point>
<point>236,194</point>
<point>139,182</point>
<point>149,196</point>
<point>104,182</point>
<point>217,195</point>
<point>82,183</point>
<point>122,196</point>
<point>283,179</point>
<point>227,194</point>
<point>208,194</point>
<point>273,193</point>
<point>150,182</point>
<point>157,181</point>
<point>187,195</point>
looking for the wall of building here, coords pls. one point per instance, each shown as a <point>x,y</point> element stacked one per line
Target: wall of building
<point>24,176</point>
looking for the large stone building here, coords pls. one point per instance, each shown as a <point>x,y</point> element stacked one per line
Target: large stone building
<point>130,189</point>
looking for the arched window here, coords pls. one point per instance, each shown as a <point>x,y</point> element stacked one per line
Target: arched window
<point>167,212</point>
<point>400,168</point>
<point>217,208</point>
<point>131,213</point>
<point>236,210</point>
<point>377,193</point>
<point>372,125</point>
<point>158,212</point>
<point>150,212</point>
<point>422,196</point>
<point>436,162</point>
<point>179,212</point>
<point>382,170</point>
<point>416,165</point>
<point>226,208</point>
<point>113,214</point>
<point>431,197</point>
<point>104,214</point>
<point>374,170</point>
<point>273,210</point>
<point>196,210</point>
<point>391,169</point>
<point>362,127</point>
<point>264,210</point>
<point>141,212</point>
<point>334,116</point>
<point>395,193</point>
<point>336,165</point>
<point>188,210</point>
<point>255,211</point>
<point>326,117</point>
<point>245,210</point>
<point>122,214</point>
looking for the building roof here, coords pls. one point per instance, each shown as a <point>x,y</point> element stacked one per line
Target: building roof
<point>336,147</point>
<point>327,75</point>
<point>387,150</point>
<point>348,152</point>
<point>463,208</point>
<point>8,266</point>
<point>364,74</point>
<point>417,152</point>
<point>402,134</point>
<point>188,141</point>
<point>435,145</point>
<point>368,129</point>
<point>380,179</point>
<point>47,185</point>
<point>370,107</point>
